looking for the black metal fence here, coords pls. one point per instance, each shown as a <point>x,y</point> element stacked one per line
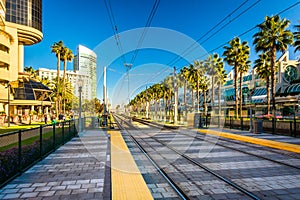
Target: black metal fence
<point>283,126</point>
<point>21,149</point>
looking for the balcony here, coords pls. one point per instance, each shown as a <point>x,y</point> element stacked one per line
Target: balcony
<point>4,73</point>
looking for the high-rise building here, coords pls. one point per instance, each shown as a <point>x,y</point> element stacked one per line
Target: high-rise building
<point>20,24</point>
<point>85,64</point>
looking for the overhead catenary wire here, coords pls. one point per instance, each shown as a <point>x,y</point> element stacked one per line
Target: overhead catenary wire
<point>114,28</point>
<point>148,23</point>
<point>223,44</point>
<point>249,30</point>
<point>218,30</point>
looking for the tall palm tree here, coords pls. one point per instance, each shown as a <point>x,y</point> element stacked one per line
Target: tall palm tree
<point>57,48</point>
<point>66,55</point>
<point>262,67</point>
<point>243,67</point>
<point>32,72</point>
<point>220,80</point>
<point>211,66</point>
<point>273,36</point>
<point>233,56</point>
<point>297,38</point>
<point>184,77</point>
<point>192,79</point>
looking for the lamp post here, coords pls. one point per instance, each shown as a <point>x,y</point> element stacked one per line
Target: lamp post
<point>80,84</point>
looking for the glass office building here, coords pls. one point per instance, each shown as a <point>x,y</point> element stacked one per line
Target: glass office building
<point>24,12</point>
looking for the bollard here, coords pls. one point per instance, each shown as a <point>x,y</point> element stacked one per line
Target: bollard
<point>63,132</point>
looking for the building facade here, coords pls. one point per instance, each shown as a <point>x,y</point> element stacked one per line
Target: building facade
<point>20,24</point>
<point>73,78</point>
<point>85,63</point>
<point>287,89</point>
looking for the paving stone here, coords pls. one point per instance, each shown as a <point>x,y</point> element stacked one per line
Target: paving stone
<point>46,193</point>
<point>63,192</point>
<point>30,189</point>
<point>77,191</point>
<point>29,195</point>
<point>12,196</point>
<point>42,189</point>
<point>59,187</point>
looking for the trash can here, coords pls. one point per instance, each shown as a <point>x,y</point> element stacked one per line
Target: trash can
<point>258,126</point>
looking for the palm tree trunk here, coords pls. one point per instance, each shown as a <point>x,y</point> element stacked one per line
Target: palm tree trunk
<point>64,86</point>
<point>241,94</point>
<point>204,99</point>
<point>236,90</point>
<point>268,94</point>
<point>273,79</point>
<point>198,99</point>
<point>219,98</point>
<point>193,101</point>
<point>57,82</point>
<point>212,92</point>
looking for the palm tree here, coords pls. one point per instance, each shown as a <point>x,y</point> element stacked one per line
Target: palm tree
<point>220,80</point>
<point>211,66</point>
<point>66,55</point>
<point>243,67</point>
<point>234,56</point>
<point>57,48</point>
<point>273,36</point>
<point>262,67</point>
<point>192,79</point>
<point>32,72</point>
<point>297,38</point>
<point>203,86</point>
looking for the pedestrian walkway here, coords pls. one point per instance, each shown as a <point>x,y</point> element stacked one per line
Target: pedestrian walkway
<point>76,170</point>
<point>264,139</point>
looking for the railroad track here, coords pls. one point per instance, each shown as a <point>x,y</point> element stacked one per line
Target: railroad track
<point>200,137</point>
<point>143,146</point>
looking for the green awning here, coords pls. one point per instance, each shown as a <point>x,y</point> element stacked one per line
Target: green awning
<point>292,89</point>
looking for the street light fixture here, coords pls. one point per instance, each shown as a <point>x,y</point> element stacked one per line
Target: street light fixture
<point>80,85</point>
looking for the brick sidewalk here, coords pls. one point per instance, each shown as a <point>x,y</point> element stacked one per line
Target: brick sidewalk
<point>74,171</point>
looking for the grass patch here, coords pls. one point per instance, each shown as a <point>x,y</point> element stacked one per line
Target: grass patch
<point>13,128</point>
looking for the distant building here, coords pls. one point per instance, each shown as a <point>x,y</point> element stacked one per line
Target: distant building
<point>72,77</point>
<point>85,64</point>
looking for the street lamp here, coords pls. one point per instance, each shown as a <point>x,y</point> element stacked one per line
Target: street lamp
<point>80,84</point>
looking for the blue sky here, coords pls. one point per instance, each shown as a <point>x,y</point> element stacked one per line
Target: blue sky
<point>87,23</point>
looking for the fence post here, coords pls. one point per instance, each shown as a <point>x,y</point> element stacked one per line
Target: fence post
<point>230,122</point>
<point>53,131</point>
<point>20,150</point>
<point>63,132</point>
<point>242,123</point>
<point>69,129</point>
<point>218,121</point>
<point>291,128</point>
<point>273,125</point>
<point>295,127</point>
<point>41,141</point>
<point>206,121</point>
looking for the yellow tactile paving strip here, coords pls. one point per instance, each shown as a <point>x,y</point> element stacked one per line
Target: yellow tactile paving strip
<point>126,179</point>
<point>263,142</point>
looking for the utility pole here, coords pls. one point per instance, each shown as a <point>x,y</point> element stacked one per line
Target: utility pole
<point>128,66</point>
<point>147,103</point>
<point>175,97</point>
<point>104,97</point>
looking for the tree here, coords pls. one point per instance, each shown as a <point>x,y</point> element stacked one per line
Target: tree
<point>66,55</point>
<point>234,56</point>
<point>243,67</point>
<point>297,38</point>
<point>262,67</point>
<point>211,67</point>
<point>57,48</point>
<point>273,36</point>
<point>220,80</point>
<point>32,72</point>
